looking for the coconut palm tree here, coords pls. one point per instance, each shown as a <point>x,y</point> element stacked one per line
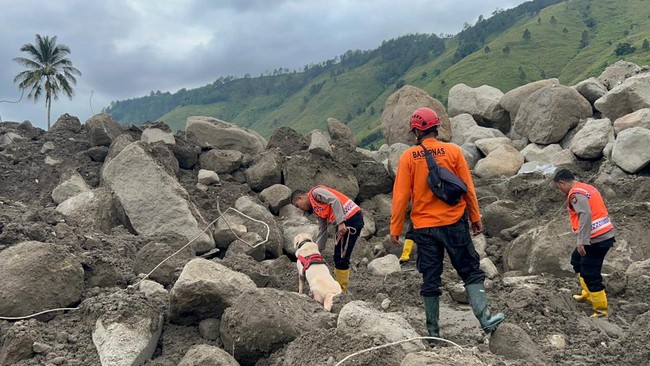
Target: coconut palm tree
<point>48,70</point>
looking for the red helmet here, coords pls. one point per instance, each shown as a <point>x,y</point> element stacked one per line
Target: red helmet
<point>423,119</point>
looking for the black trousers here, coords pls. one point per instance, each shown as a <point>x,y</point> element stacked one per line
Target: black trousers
<point>343,261</point>
<point>590,266</point>
<point>457,241</point>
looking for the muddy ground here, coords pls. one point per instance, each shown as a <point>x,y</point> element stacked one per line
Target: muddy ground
<point>540,305</point>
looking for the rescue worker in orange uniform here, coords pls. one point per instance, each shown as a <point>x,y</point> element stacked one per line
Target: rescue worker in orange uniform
<point>439,227</point>
<point>333,207</point>
<point>595,236</point>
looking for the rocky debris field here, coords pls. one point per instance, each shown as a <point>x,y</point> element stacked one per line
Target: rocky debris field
<point>87,210</point>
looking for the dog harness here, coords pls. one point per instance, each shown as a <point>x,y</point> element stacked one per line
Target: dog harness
<point>307,261</point>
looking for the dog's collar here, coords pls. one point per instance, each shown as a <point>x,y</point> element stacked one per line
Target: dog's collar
<point>304,242</point>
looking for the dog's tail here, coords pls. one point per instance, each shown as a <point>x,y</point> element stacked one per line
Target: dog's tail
<point>329,301</point>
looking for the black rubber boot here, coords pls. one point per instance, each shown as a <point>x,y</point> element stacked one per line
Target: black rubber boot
<point>432,312</point>
<point>479,302</point>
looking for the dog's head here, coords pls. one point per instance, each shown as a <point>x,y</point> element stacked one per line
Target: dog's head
<point>300,239</point>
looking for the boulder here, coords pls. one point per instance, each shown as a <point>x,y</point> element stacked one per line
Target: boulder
<point>47,147</point>
<point>544,249</point>
<point>640,118</point>
<point>152,134</point>
<point>209,329</point>
<point>69,188</point>
<point>66,123</point>
<point>590,141</point>
<point>373,179</point>
<point>229,226</point>
<point>9,138</point>
<point>549,113</point>
<point>249,244</point>
<point>204,290</point>
<point>119,144</point>
<point>18,344</point>
<point>206,355</point>
<point>533,167</point>
<point>146,192</point>
<point>208,177</point>
<point>500,215</point>
<point>630,151</point>
<point>152,254</point>
<point>442,356</point>
<point>460,124</point>
<point>489,268</point>
<point>152,289</point>
<point>208,132</point>
<point>616,73</point>
<point>304,171</point>
<point>513,343</point>
<point>505,160</point>
<point>360,317</point>
<point>471,153</point>
<point>592,89</point>
<point>564,157</point>
<point>38,276</point>
<point>481,103</point>
<point>540,153</point>
<point>293,226</point>
<point>221,161</point>
<point>186,153</point>
<point>287,140</point>
<point>276,197</point>
<point>395,152</point>
<point>385,265</point>
<point>490,144</point>
<point>513,99</point>
<point>268,309</point>
<point>95,209</point>
<point>340,133</point>
<point>632,95</point>
<point>97,153</point>
<point>265,171</point>
<point>476,133</point>
<point>102,129</point>
<point>369,225</point>
<point>319,145</point>
<point>247,206</point>
<point>397,113</point>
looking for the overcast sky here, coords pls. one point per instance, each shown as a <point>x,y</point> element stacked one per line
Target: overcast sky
<point>126,48</point>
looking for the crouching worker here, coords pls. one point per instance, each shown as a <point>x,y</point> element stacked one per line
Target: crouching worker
<point>595,235</point>
<point>333,207</point>
<point>439,226</point>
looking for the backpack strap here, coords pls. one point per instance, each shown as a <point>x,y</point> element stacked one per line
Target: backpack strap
<point>432,164</point>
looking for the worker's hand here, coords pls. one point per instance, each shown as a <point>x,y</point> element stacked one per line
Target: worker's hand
<point>581,250</point>
<point>477,227</point>
<point>394,239</point>
<point>341,230</point>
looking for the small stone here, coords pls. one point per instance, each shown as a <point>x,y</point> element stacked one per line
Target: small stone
<point>91,243</point>
<point>209,329</point>
<point>458,293</point>
<point>558,341</point>
<point>51,161</point>
<point>386,304</point>
<point>47,147</point>
<point>41,348</point>
<point>58,360</point>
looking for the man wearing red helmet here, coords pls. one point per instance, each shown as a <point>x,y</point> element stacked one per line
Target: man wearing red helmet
<point>437,225</point>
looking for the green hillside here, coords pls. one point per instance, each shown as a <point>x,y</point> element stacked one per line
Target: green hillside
<point>571,40</point>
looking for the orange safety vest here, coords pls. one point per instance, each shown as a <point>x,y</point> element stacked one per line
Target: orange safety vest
<point>600,222</point>
<point>323,210</point>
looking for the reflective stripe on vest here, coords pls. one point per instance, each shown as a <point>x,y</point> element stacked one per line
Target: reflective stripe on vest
<point>325,211</point>
<point>600,222</point>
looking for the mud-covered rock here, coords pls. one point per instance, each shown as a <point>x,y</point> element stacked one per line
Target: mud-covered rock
<point>276,196</point>
<point>320,145</point>
<point>66,123</point>
<point>208,132</point>
<point>630,150</point>
<point>592,89</point>
<point>205,355</point>
<point>154,253</point>
<point>385,265</point>
<point>265,170</point>
<point>305,171</point>
<point>640,118</point>
<point>221,161</point>
<point>287,140</point>
<point>373,179</point>
<point>512,342</point>
<point>505,160</point>
<point>70,187</point>
<point>630,96</point>
<point>513,99</point>
<point>102,129</point>
<point>590,141</point>
<point>273,247</point>
<point>340,133</point>
<point>151,135</point>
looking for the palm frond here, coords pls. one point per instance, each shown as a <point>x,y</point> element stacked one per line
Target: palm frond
<point>28,63</point>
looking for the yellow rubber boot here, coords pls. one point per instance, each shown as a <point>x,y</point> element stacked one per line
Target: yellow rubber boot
<point>599,303</point>
<point>584,294</point>
<point>343,278</point>
<point>406,251</point>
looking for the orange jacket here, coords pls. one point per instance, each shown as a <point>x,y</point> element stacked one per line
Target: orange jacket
<point>411,186</point>
<point>600,222</point>
<point>325,211</point>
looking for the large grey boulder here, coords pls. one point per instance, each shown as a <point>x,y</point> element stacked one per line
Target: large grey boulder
<point>540,153</point>
<point>70,187</point>
<point>9,138</point>
<point>512,342</point>
<point>185,152</point>
<point>208,132</point>
<point>146,192</point>
<point>102,129</point>
<point>265,171</point>
<point>460,124</point>
<point>340,133</point>
<point>471,153</point>
<point>206,355</point>
<point>397,114</point>
<point>153,254</point>
<point>505,160</point>
<point>631,150</point>
<point>361,317</point>
<point>490,144</point>
<point>320,145</point>
<point>395,152</point>
<point>590,141</point>
<point>273,247</point>
<point>131,341</point>
<point>221,161</point>
<point>66,123</point>
<point>96,209</point>
<point>549,113</point>
<point>247,245</point>
<point>592,89</point>
<point>204,290</point>
<point>304,171</point>
<point>38,276</point>
<point>632,95</point>
<point>268,310</point>
<point>287,140</point>
<point>513,99</point>
<point>373,179</point>
<point>640,118</point>
<point>385,265</point>
<point>116,147</point>
<point>616,73</point>
<point>276,196</point>
<point>481,103</point>
<point>152,134</point>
